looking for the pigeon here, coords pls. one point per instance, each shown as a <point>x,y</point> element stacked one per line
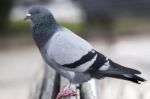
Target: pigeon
<point>70,55</point>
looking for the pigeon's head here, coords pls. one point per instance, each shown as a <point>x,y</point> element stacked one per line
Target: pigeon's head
<point>39,14</point>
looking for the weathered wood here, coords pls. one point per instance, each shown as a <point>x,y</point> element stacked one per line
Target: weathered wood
<point>51,84</point>
<point>89,90</point>
<point>37,84</point>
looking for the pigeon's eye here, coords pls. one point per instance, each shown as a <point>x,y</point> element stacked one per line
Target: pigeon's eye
<point>37,12</point>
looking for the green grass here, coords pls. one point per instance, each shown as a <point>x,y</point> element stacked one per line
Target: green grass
<point>23,27</point>
<point>120,26</point>
<point>132,24</point>
<point>75,27</point>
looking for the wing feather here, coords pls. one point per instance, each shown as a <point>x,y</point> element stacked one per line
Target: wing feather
<point>65,47</point>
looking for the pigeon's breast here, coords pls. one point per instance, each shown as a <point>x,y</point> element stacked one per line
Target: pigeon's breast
<point>66,47</point>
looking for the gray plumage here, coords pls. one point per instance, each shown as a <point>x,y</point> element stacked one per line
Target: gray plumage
<point>70,55</point>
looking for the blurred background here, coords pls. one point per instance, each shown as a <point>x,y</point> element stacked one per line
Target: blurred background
<point>119,29</point>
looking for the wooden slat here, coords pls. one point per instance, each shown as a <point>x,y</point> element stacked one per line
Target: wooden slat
<point>36,85</point>
<point>89,90</point>
<point>51,84</point>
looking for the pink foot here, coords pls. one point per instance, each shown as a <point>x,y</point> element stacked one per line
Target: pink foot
<point>66,92</point>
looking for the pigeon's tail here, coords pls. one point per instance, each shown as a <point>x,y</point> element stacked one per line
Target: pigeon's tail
<point>121,72</point>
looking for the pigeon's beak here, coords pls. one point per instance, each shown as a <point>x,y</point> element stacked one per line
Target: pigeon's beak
<point>28,16</point>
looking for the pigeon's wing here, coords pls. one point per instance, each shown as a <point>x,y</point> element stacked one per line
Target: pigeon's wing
<point>71,51</point>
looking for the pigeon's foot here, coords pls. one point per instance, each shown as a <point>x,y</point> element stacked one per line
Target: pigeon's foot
<point>65,93</point>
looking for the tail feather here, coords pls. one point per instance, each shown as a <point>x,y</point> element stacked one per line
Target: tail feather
<point>120,72</point>
<point>130,77</point>
<point>122,69</point>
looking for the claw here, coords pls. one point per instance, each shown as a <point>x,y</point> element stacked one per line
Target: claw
<point>65,93</point>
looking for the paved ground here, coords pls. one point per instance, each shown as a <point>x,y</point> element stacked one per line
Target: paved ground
<point>20,72</point>
<point>21,69</point>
